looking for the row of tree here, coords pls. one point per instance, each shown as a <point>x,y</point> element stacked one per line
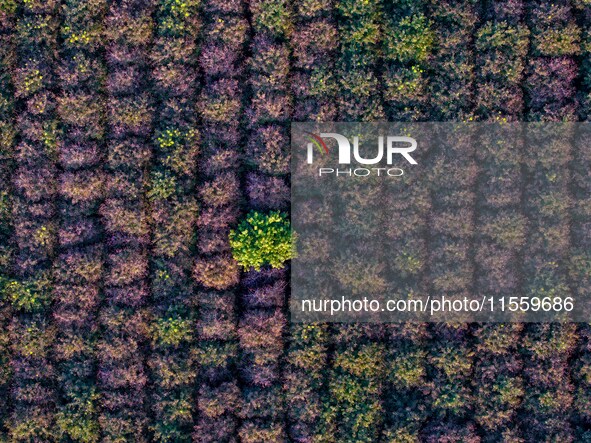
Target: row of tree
<point>220,106</point>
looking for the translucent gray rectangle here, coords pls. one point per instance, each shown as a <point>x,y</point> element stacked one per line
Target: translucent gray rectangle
<point>441,222</point>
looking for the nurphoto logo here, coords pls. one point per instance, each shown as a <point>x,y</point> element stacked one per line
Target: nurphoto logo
<point>394,145</point>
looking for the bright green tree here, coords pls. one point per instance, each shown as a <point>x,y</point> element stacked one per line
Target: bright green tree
<point>263,239</point>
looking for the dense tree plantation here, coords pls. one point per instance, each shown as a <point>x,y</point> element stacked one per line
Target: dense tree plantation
<point>145,170</point>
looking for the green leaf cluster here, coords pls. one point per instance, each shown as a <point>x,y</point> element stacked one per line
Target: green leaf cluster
<point>263,239</point>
